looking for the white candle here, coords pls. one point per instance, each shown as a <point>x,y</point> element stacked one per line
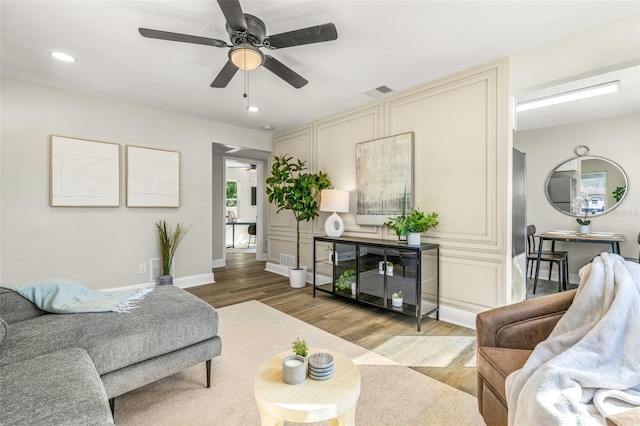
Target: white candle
<point>293,363</point>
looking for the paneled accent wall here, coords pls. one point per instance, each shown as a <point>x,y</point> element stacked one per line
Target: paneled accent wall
<point>462,156</point>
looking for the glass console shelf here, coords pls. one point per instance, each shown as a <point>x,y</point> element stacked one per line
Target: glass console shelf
<point>370,271</point>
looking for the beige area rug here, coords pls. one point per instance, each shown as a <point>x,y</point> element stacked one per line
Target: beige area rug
<point>428,351</point>
<point>251,332</point>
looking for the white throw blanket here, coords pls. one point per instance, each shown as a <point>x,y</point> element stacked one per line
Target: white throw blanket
<point>589,366</point>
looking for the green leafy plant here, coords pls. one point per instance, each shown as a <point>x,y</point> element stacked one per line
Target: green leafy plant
<point>291,187</point>
<point>299,347</point>
<point>618,193</point>
<point>169,241</point>
<point>399,223</point>
<point>346,279</point>
<point>397,295</point>
<point>584,221</point>
<point>417,221</point>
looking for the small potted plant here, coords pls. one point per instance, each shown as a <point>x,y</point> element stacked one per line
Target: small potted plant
<point>169,241</point>
<point>584,223</point>
<point>413,225</point>
<point>294,367</point>
<point>396,299</point>
<point>347,280</point>
<point>300,347</point>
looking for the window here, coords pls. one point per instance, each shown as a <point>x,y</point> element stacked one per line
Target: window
<point>232,199</point>
<point>594,184</point>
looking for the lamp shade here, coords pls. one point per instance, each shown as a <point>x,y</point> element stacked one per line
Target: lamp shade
<point>334,200</point>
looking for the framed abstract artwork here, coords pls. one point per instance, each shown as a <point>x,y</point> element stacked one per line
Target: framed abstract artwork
<point>153,177</point>
<point>384,171</point>
<point>83,173</point>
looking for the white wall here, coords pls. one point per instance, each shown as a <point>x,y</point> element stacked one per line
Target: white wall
<point>616,139</point>
<point>101,247</point>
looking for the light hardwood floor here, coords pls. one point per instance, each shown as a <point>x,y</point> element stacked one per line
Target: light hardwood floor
<point>245,279</point>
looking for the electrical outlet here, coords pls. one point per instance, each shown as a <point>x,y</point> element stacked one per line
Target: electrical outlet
<point>143,268</point>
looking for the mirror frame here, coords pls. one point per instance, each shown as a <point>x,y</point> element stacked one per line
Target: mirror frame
<point>624,174</point>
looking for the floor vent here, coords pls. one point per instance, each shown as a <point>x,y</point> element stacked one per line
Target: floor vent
<point>287,260</point>
<point>378,92</point>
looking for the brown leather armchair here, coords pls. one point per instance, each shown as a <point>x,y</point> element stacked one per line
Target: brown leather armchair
<point>505,338</point>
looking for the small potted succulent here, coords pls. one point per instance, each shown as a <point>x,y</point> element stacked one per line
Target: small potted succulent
<point>396,299</point>
<point>294,367</point>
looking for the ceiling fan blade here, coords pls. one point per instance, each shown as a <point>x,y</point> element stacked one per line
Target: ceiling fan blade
<point>316,34</point>
<point>232,12</point>
<point>284,72</point>
<point>184,38</point>
<point>225,75</point>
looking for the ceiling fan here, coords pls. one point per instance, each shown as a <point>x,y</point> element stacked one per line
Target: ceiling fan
<point>247,34</point>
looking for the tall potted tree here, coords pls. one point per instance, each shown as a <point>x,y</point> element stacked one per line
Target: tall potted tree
<point>291,187</point>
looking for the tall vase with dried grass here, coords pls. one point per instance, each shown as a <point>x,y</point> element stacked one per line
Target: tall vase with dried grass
<point>169,241</point>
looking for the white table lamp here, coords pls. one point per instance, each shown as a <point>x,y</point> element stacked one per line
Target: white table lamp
<point>335,201</point>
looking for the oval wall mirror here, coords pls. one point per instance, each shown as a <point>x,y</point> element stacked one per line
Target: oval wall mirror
<point>587,185</point>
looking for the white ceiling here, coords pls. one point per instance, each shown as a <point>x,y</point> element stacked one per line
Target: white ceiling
<point>400,44</point>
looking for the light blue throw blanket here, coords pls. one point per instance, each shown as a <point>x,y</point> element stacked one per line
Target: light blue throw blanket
<point>70,297</point>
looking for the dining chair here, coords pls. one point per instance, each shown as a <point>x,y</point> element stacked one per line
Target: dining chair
<point>560,258</point>
<point>251,230</point>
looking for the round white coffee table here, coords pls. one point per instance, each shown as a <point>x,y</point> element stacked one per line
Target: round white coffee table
<point>310,401</point>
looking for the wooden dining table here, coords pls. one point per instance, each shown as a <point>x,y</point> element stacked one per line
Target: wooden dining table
<point>575,237</point>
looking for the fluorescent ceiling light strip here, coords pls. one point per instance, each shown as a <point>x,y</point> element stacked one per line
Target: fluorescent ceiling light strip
<point>574,95</point>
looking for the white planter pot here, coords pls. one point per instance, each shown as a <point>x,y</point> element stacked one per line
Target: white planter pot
<point>414,239</point>
<point>396,302</point>
<point>584,229</point>
<point>298,277</point>
<point>353,289</point>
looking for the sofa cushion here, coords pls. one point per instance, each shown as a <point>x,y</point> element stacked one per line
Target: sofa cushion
<point>166,320</point>
<point>61,388</point>
<point>495,364</point>
<point>14,308</point>
<point>3,330</point>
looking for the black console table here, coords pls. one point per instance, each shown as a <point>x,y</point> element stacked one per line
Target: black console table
<point>377,269</point>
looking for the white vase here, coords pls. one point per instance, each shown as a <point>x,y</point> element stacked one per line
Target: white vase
<point>414,239</point>
<point>584,229</point>
<point>298,277</point>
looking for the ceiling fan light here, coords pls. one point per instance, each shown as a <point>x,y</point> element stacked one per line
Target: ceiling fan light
<point>246,57</point>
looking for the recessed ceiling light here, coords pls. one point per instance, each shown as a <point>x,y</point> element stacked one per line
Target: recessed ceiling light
<point>64,57</point>
<point>253,108</point>
<point>267,127</point>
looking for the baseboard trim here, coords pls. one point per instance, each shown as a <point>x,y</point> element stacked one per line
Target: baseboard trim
<point>182,282</point>
<point>218,263</point>
<point>458,317</point>
<point>276,268</point>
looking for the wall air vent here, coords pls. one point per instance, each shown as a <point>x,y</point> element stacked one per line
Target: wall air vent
<point>378,92</point>
<point>287,260</point>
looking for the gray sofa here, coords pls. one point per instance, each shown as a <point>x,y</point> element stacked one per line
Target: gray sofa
<point>68,368</point>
